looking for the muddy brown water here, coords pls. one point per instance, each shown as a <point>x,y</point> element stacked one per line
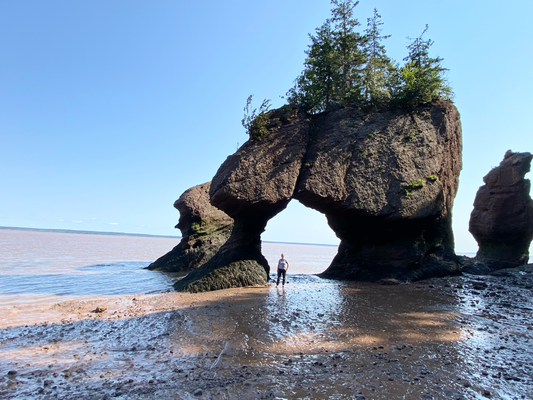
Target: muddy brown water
<point>453,338</point>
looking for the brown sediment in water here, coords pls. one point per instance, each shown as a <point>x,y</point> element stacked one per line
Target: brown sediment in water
<point>462,337</point>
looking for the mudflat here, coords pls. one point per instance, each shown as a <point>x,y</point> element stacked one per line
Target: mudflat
<point>465,337</point>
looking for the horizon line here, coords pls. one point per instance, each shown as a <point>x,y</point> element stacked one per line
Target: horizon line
<point>86,232</point>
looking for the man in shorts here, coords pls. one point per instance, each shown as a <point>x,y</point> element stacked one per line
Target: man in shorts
<point>283,266</point>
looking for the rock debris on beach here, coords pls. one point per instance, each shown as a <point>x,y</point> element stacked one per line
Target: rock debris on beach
<point>462,337</point>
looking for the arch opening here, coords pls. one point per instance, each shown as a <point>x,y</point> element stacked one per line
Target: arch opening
<point>305,238</point>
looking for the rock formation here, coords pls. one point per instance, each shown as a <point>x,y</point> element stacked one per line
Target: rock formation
<point>385,180</point>
<point>502,220</point>
<point>252,186</point>
<point>203,227</point>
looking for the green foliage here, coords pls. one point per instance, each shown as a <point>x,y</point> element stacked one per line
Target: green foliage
<point>432,178</point>
<point>315,88</point>
<point>331,73</point>
<point>409,136</point>
<point>378,66</point>
<point>415,185</point>
<point>421,79</point>
<point>343,67</point>
<point>203,228</point>
<point>255,121</point>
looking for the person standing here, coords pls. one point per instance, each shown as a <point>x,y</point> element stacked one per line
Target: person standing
<point>283,266</point>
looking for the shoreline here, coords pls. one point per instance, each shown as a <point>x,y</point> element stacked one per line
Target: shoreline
<point>463,337</point>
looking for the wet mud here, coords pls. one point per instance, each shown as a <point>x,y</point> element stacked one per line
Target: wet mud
<point>466,337</point>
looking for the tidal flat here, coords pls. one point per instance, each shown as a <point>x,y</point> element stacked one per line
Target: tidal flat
<point>466,337</point>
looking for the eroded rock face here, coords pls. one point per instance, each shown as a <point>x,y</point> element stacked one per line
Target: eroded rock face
<point>502,219</point>
<point>204,229</point>
<point>252,186</point>
<point>385,180</point>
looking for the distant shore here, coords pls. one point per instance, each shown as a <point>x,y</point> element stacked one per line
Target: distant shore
<point>135,234</point>
<point>14,228</point>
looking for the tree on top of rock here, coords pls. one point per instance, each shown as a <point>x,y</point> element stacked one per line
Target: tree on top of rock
<point>421,79</point>
<point>343,67</point>
<point>378,67</point>
<point>348,50</point>
<point>316,87</point>
<point>334,59</point>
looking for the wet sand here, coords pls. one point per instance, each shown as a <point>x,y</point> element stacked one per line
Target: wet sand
<point>464,337</point>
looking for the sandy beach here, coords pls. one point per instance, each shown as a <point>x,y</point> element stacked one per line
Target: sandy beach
<point>463,337</point>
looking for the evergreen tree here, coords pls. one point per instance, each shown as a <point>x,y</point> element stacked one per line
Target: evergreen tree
<point>378,67</point>
<point>316,87</point>
<point>348,51</point>
<point>343,67</point>
<point>332,73</point>
<point>421,79</point>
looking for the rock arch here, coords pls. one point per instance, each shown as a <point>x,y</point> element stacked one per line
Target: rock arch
<point>385,180</point>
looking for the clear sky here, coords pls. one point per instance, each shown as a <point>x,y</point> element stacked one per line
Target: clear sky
<point>109,110</point>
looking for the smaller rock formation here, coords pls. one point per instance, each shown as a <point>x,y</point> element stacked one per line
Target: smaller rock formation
<point>204,229</point>
<point>502,220</point>
<point>252,186</point>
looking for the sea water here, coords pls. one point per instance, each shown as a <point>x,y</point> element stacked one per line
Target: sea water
<point>47,266</point>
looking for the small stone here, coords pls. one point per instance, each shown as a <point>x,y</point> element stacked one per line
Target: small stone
<point>198,392</point>
<point>389,281</point>
<point>99,310</point>
<point>12,373</point>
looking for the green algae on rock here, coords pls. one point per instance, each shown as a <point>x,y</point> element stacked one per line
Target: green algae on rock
<point>204,229</point>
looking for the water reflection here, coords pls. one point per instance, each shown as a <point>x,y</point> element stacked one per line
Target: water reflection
<point>396,337</point>
<point>339,315</point>
<point>311,314</point>
<point>496,314</point>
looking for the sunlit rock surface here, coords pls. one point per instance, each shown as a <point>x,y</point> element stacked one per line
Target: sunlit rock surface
<point>502,219</point>
<point>252,186</point>
<point>204,229</point>
<point>385,180</point>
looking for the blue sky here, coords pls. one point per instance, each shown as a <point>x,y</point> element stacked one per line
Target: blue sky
<point>109,110</point>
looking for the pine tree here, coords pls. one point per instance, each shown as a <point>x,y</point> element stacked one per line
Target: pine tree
<point>315,89</point>
<point>348,51</point>
<point>343,67</point>
<point>332,73</point>
<point>421,79</point>
<point>378,67</point>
